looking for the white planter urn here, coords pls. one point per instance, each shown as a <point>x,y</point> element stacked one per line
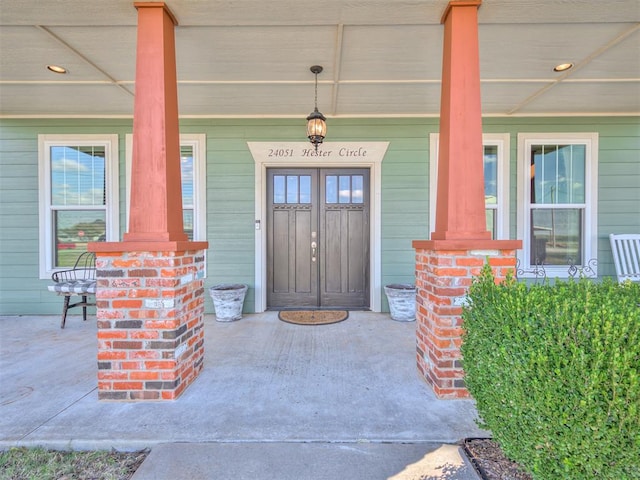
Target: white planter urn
<point>228,299</point>
<point>402,301</point>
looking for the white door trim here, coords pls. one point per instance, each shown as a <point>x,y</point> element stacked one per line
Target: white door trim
<point>329,154</point>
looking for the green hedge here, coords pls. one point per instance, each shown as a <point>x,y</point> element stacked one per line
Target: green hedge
<point>554,370</point>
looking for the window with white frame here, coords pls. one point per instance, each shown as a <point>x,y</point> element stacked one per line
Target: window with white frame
<point>557,201</point>
<point>193,174</point>
<point>496,181</point>
<point>78,179</point>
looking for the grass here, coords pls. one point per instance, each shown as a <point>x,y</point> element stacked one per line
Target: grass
<point>41,464</point>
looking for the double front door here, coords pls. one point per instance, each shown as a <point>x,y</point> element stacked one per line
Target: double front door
<point>317,238</point>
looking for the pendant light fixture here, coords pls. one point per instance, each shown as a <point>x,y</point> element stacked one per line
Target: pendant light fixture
<point>316,122</point>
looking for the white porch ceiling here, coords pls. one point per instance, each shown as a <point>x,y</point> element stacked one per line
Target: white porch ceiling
<point>251,58</point>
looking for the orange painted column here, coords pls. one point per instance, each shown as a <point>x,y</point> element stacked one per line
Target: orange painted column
<point>155,172</point>
<point>461,243</point>
<point>150,286</point>
<point>460,212</point>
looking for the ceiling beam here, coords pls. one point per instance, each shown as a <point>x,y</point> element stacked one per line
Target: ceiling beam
<point>337,68</point>
<point>83,58</point>
<point>576,67</point>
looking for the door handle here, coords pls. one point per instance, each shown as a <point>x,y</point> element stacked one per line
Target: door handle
<point>314,247</point>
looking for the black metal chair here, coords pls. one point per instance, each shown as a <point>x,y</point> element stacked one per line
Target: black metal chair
<point>79,280</point>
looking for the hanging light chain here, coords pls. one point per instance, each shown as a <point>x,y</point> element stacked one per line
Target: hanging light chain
<point>316,96</point>
<point>316,126</point>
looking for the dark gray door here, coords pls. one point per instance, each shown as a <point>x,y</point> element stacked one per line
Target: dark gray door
<point>318,238</point>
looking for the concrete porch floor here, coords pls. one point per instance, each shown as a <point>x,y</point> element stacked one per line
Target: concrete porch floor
<point>264,382</point>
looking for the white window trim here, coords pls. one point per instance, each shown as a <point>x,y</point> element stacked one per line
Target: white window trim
<point>502,142</point>
<point>198,141</point>
<point>590,247</point>
<point>45,142</point>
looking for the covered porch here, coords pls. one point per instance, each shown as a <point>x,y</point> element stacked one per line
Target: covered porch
<point>457,220</point>
<point>264,380</point>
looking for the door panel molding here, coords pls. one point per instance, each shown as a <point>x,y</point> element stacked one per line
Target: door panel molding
<point>344,270</point>
<point>331,154</point>
<point>290,228</point>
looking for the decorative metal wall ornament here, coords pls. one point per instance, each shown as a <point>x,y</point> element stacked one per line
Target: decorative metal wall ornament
<point>539,274</point>
<point>584,271</point>
<point>316,122</point>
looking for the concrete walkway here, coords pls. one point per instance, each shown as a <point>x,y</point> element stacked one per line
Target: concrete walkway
<point>274,400</point>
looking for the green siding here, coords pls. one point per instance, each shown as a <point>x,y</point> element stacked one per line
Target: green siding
<point>21,291</point>
<point>230,190</point>
<point>618,171</point>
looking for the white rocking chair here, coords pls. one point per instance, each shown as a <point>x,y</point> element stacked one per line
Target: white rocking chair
<point>626,256</point>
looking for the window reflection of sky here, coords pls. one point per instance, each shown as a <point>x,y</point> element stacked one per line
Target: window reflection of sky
<point>558,174</point>
<point>278,189</point>
<point>292,189</point>
<point>305,189</point>
<point>338,189</point>
<point>357,188</point>
<point>331,187</point>
<point>186,175</point>
<point>491,173</point>
<point>344,189</point>
<point>77,176</point>
<point>186,170</point>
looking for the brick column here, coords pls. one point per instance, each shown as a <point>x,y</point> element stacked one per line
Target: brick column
<point>150,310</point>
<point>460,243</point>
<point>150,292</point>
<point>443,277</point>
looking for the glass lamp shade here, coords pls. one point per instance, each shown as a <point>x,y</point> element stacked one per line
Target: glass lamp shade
<point>316,127</point>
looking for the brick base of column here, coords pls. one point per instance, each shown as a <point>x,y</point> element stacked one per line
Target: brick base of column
<point>443,278</point>
<point>150,311</point>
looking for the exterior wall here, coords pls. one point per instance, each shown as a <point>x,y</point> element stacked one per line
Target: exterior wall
<point>230,190</point>
<point>618,175</point>
<point>21,291</point>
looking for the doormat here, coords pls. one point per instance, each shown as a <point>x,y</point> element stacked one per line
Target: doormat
<point>313,317</point>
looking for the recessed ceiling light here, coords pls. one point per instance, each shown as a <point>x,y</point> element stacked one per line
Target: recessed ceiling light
<point>56,69</point>
<point>562,67</point>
